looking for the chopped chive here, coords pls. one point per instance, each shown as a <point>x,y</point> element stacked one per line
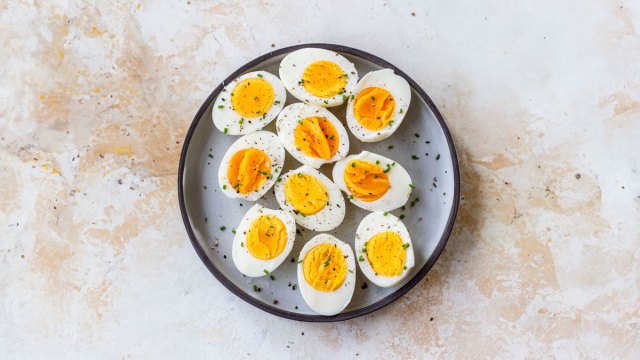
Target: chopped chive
<point>350,197</point>
<point>412,186</point>
<point>352,97</point>
<point>259,75</point>
<point>276,102</point>
<point>438,157</point>
<point>401,111</point>
<point>353,164</point>
<point>405,245</point>
<point>377,162</point>
<point>414,157</point>
<point>300,261</point>
<point>351,271</point>
<point>385,213</point>
<point>242,244</point>
<point>332,137</point>
<point>226,130</point>
<point>241,121</point>
<point>223,228</point>
<point>265,271</point>
<point>233,231</point>
<point>224,187</point>
<point>326,263</point>
<point>325,101</point>
<point>361,258</point>
<point>373,98</point>
<point>404,268</point>
<point>220,106</point>
<point>211,156</point>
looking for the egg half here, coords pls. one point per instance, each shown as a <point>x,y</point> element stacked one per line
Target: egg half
<point>326,274</point>
<point>315,201</point>
<point>384,249</point>
<point>251,166</point>
<point>318,76</point>
<point>264,238</point>
<point>248,103</point>
<point>373,182</point>
<point>378,106</point>
<point>312,134</point>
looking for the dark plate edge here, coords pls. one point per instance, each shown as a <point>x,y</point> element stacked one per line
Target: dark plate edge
<point>355,313</point>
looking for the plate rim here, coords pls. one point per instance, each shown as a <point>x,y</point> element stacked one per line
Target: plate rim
<point>354,313</point>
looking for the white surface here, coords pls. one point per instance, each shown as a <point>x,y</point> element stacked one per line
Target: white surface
<point>541,263</point>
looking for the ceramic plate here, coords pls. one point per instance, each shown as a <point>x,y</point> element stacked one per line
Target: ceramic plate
<point>429,213</point>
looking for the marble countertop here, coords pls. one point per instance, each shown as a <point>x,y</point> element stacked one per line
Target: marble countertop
<point>543,101</point>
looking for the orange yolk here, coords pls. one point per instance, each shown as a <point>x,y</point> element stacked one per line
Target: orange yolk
<point>374,108</point>
<point>306,193</point>
<point>317,137</point>
<point>386,253</point>
<point>365,180</point>
<point>325,267</point>
<point>248,170</point>
<point>324,79</point>
<point>252,97</point>
<point>267,237</point>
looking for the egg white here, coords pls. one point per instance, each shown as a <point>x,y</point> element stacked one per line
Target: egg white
<point>224,117</point>
<point>262,140</point>
<point>397,86</point>
<point>400,185</point>
<point>326,219</point>
<point>288,121</point>
<point>322,302</point>
<point>375,223</point>
<point>243,259</point>
<point>293,65</point>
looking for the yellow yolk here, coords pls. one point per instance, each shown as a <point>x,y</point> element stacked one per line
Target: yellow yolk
<point>305,193</point>
<point>386,253</point>
<point>248,170</point>
<point>252,97</point>
<point>317,137</point>
<point>374,108</point>
<point>267,237</point>
<point>325,267</point>
<point>324,79</point>
<point>365,180</point>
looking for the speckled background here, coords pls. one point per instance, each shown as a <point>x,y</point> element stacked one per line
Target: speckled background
<point>542,98</point>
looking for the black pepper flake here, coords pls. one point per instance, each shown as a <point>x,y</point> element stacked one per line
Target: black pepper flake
<point>364,286</point>
<point>275,302</point>
<point>293,287</point>
<point>389,147</point>
<point>414,157</point>
<point>578,176</point>
<point>416,135</point>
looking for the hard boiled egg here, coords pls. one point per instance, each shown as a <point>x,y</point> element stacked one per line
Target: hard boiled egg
<point>251,166</point>
<point>373,182</point>
<point>318,76</point>
<point>248,103</point>
<point>315,201</point>
<point>379,105</point>
<point>263,240</point>
<point>312,134</point>
<point>326,274</point>
<point>384,249</point>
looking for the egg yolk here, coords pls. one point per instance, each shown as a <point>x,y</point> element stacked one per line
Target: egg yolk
<point>252,97</point>
<point>324,79</point>
<point>248,170</point>
<point>317,137</point>
<point>325,267</point>
<point>374,108</point>
<point>386,253</point>
<point>267,237</point>
<point>365,180</point>
<point>306,193</point>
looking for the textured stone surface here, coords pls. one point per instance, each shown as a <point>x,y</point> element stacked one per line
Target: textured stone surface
<point>543,100</point>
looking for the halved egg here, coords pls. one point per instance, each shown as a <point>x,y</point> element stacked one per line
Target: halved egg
<point>373,182</point>
<point>318,76</point>
<point>248,103</point>
<point>251,166</point>
<point>326,274</point>
<point>312,134</point>
<point>315,201</point>
<point>264,238</point>
<point>384,249</point>
<point>378,106</point>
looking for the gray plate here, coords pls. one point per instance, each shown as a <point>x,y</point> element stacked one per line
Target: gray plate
<point>205,209</point>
